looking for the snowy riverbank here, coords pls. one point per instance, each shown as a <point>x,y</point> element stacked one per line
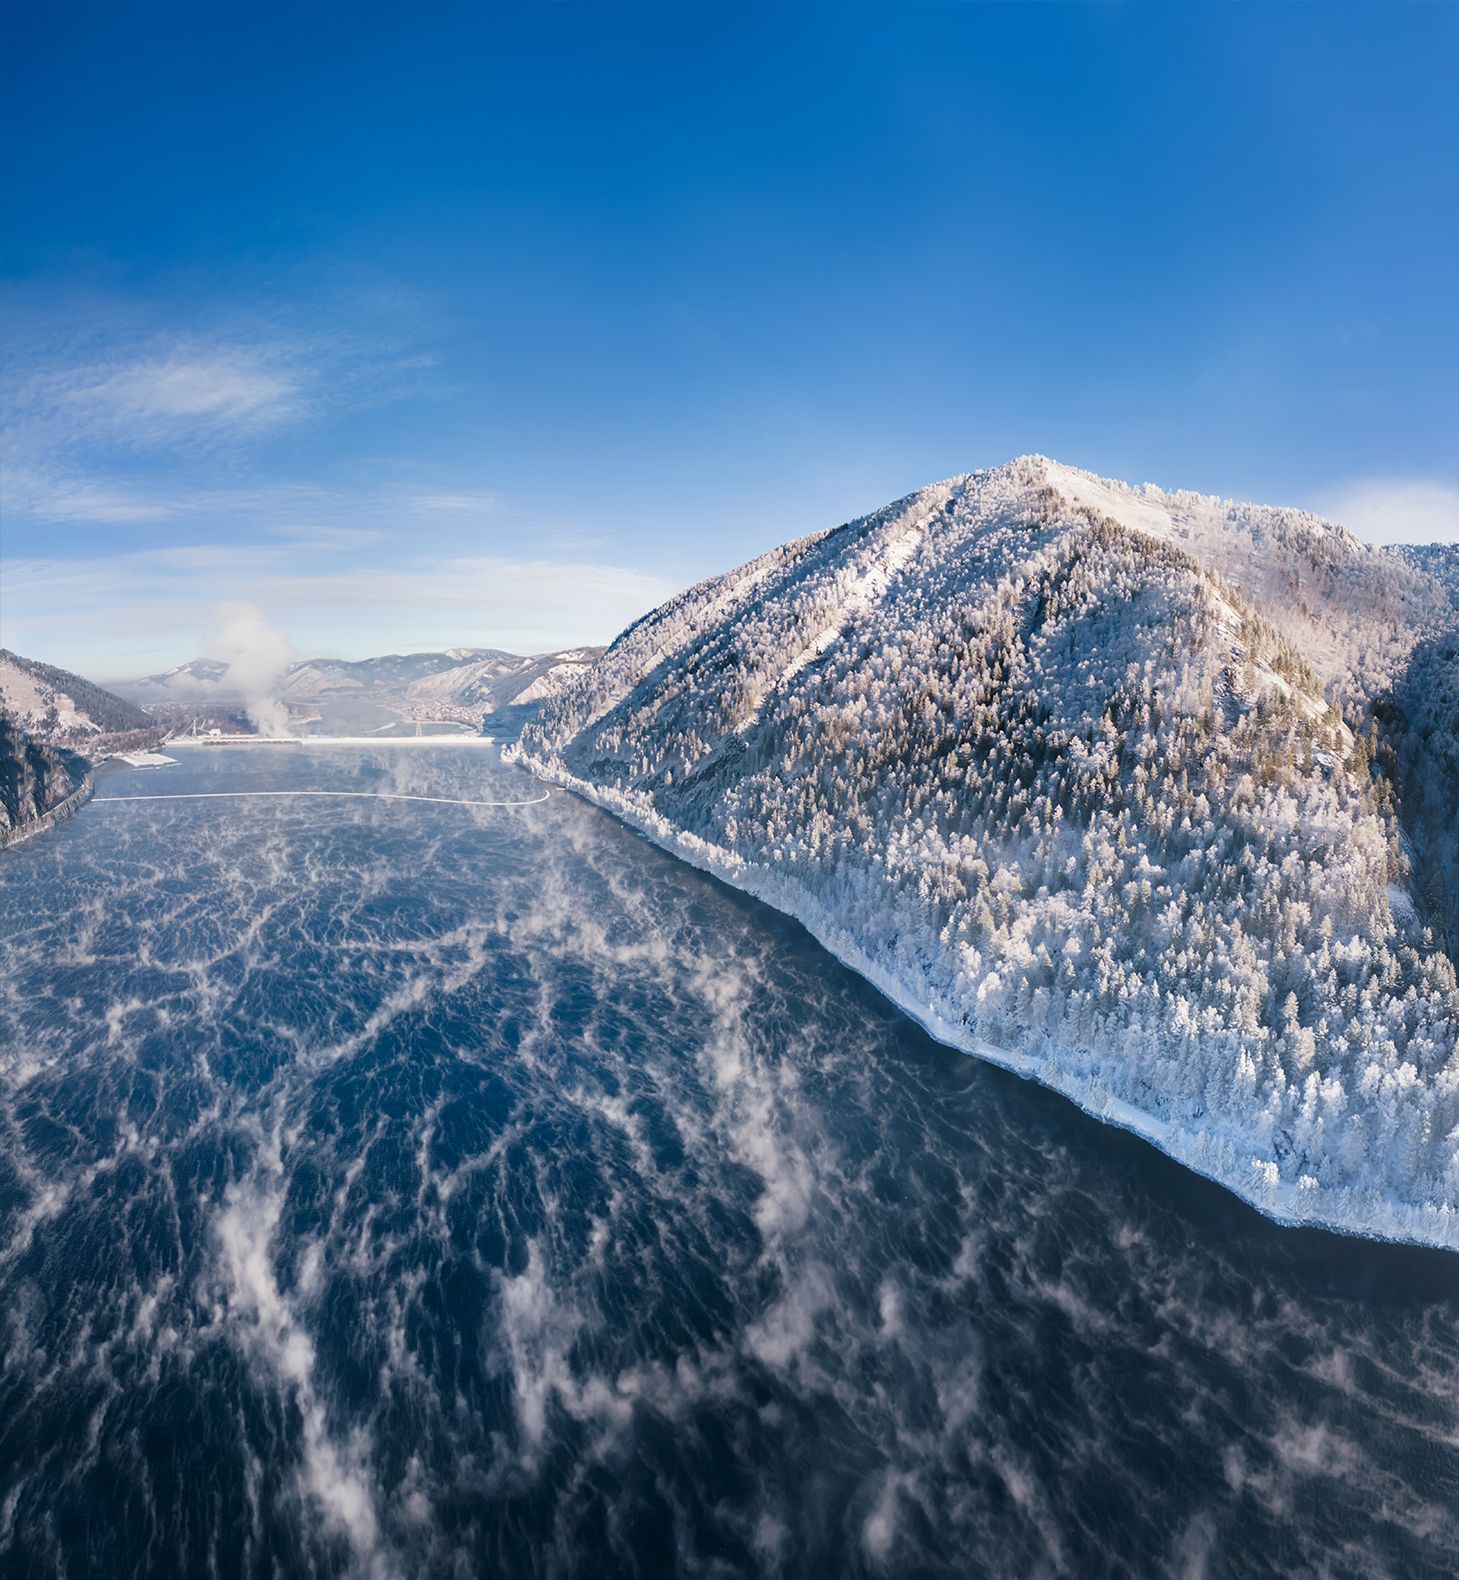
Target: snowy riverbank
<point>1219,1154</point>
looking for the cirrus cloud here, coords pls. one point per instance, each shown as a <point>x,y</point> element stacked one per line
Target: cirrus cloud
<point>188,386</point>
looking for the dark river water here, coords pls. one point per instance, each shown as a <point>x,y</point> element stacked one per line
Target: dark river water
<point>402,1188</point>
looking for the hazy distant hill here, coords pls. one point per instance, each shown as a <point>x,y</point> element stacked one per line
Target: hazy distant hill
<point>1150,795</point>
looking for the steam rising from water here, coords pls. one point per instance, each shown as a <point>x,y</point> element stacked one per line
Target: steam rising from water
<point>403,1188</point>
<point>257,657</point>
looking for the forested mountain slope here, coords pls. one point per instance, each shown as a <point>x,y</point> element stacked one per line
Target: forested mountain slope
<point>1439,560</point>
<point>55,705</point>
<point>1093,780</point>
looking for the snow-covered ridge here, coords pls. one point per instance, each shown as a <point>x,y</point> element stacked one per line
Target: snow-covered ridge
<point>1323,588</point>
<point>1096,781</point>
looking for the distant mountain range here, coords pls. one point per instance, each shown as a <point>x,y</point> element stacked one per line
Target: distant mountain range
<point>1152,796</point>
<point>462,683</point>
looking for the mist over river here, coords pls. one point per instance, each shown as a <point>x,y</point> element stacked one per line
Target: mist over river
<point>396,1187</point>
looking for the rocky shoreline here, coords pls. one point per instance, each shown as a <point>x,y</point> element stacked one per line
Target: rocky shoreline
<point>40,785</point>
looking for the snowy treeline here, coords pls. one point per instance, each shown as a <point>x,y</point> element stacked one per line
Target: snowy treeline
<point>1103,781</point>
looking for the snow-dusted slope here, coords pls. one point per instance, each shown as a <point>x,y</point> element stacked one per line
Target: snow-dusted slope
<point>57,706</point>
<point>1439,560</point>
<point>1089,779</point>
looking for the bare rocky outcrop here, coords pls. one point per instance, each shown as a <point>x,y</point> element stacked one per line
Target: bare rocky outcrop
<point>39,784</point>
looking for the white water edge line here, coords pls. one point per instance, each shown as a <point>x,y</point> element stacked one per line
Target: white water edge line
<point>356,795</point>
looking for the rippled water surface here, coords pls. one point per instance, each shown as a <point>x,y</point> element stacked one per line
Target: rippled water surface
<point>407,1188</point>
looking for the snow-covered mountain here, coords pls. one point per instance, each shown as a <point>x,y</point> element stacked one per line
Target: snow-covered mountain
<point>503,680</point>
<point>1122,788</point>
<point>196,677</point>
<point>391,672</point>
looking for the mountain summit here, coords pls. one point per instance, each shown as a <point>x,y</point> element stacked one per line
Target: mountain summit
<point>1150,795</point>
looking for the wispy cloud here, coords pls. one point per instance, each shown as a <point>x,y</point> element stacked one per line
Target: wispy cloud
<point>316,537</point>
<point>155,397</point>
<point>114,415</point>
<point>55,497</point>
<point>1388,510</point>
<point>176,398</point>
<point>459,504</point>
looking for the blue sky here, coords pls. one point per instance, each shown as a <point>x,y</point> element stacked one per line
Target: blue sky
<point>451,324</point>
